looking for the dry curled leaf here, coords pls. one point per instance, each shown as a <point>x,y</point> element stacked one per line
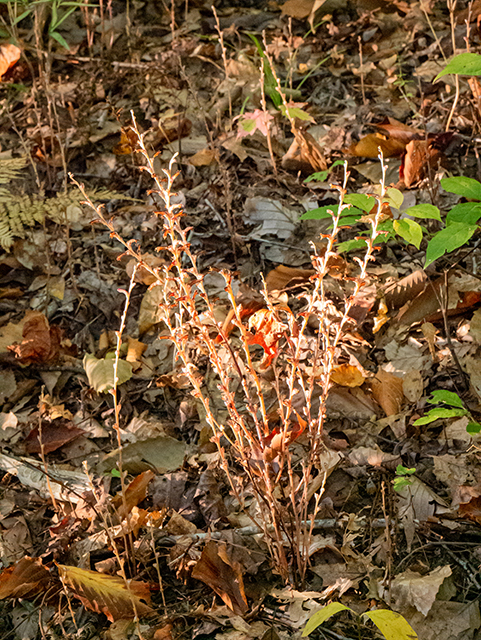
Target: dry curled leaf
<point>40,343</point>
<point>347,375</point>
<point>25,579</point>
<point>223,575</point>
<point>305,154</point>
<point>368,147</point>
<point>9,55</point>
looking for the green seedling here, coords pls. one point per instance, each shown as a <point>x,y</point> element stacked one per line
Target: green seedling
<point>450,405</point>
<point>59,11</point>
<point>460,224</point>
<point>402,478</point>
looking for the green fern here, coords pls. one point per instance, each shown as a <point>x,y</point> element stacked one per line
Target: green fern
<point>20,211</point>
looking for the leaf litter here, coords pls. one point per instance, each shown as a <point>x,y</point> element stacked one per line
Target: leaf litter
<point>172,542</point>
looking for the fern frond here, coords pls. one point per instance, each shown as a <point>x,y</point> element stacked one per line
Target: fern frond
<point>11,168</point>
<point>20,211</point>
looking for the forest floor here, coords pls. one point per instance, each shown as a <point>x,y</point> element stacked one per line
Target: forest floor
<point>397,522</point>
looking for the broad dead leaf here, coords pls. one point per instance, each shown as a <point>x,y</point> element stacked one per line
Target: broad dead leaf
<point>399,130</point>
<point>411,589</point>
<point>203,158</point>
<point>106,594</point>
<point>223,575</point>
<point>52,436</point>
<point>26,579</point>
<point>421,157</point>
<point>387,390</point>
<point>405,289</point>
<point>40,343</point>
<point>283,276</point>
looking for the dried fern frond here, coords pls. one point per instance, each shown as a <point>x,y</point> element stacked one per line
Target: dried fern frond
<point>11,169</point>
<point>20,211</point>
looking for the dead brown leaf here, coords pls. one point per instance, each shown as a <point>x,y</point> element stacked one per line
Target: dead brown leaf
<point>40,344</point>
<point>53,436</point>
<point>110,595</point>
<point>222,575</point>
<point>283,276</point>
<point>134,494</point>
<point>387,390</point>
<point>25,579</point>
<point>399,130</point>
<point>421,156</point>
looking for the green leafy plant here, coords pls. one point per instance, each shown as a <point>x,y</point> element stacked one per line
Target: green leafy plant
<point>392,625</point>
<point>450,405</point>
<point>402,478</point>
<point>460,225</point>
<point>464,64</point>
<point>58,12</point>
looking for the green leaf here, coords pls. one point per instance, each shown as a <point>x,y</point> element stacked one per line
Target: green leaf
<point>425,211</point>
<point>351,219</point>
<point>439,412</point>
<point>60,39</point>
<point>319,176</point>
<point>410,231</point>
<point>447,397</point>
<point>462,186</point>
<point>394,197</point>
<point>392,625</point>
<point>400,483</point>
<point>321,213</point>
<point>270,83</point>
<point>100,373</point>
<point>448,240</point>
<point>465,212</point>
<point>465,64</point>
<point>473,427</point>
<point>322,615</point>
<point>295,112</point>
<point>249,125</point>
<point>351,245</point>
<point>361,201</point>
<point>22,16</point>
<point>405,471</point>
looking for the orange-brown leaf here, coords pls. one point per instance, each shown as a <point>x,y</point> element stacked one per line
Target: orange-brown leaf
<point>41,343</point>
<point>399,131</point>
<point>223,575</point>
<point>25,579</point>
<point>282,276</point>
<point>347,375</point>
<point>134,494</point>
<point>368,147</point>
<point>9,55</point>
<point>387,390</point>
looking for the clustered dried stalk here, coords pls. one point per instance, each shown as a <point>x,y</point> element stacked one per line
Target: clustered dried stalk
<point>286,481</point>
